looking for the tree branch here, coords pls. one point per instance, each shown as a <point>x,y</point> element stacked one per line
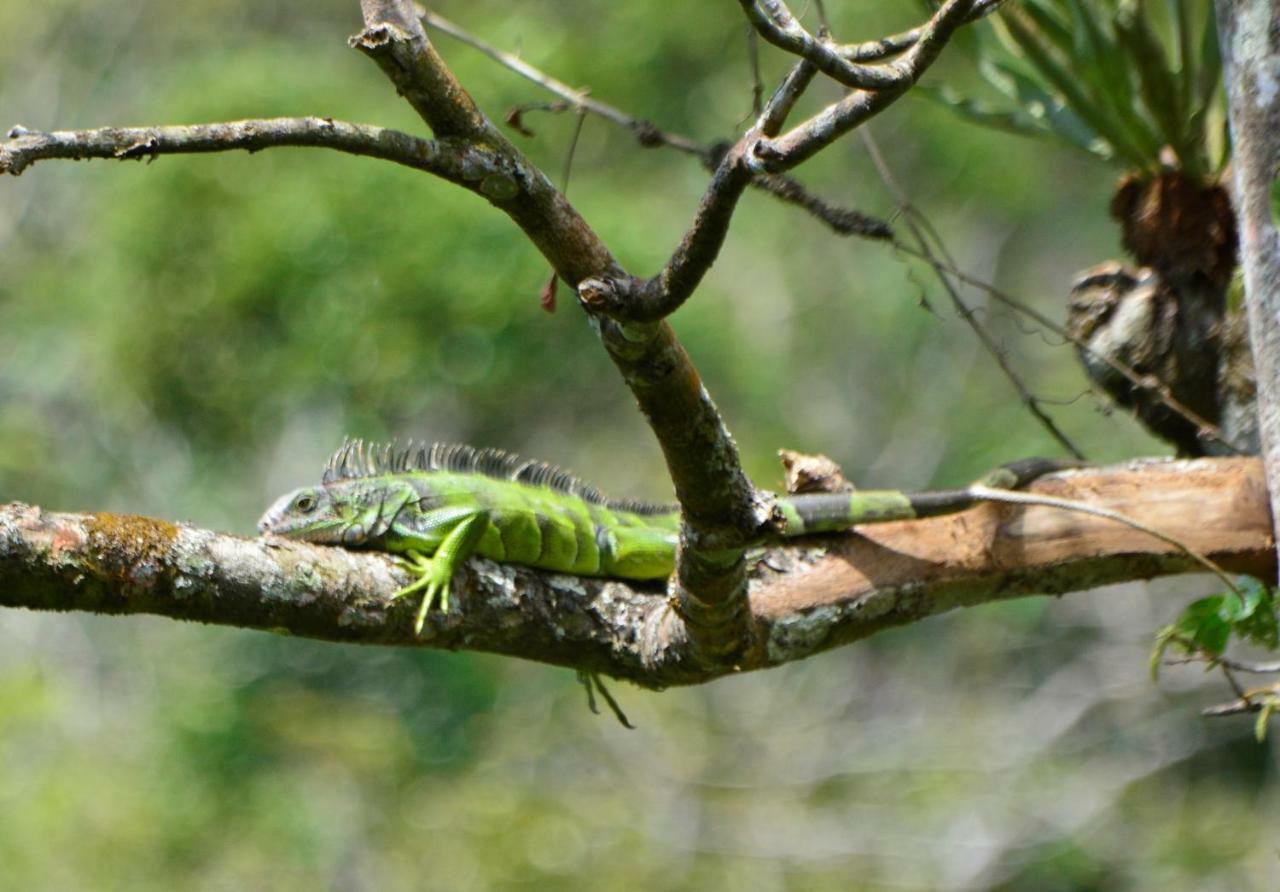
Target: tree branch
<point>646,132</point>
<point>774,22</point>
<point>758,153</point>
<point>454,160</point>
<point>1249,33</point>
<point>837,119</point>
<point>806,597</point>
<point>394,38</point>
<point>844,221</point>
<point>721,510</point>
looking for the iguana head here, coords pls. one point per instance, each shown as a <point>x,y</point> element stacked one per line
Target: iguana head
<point>349,513</point>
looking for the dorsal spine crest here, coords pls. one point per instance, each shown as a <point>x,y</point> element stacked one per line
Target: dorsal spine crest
<point>357,460</point>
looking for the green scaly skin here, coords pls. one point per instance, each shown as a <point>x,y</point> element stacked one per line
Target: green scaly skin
<point>437,506</point>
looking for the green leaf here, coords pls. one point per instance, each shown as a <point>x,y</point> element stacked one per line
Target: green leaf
<point>1014,119</point>
<point>1164,637</point>
<point>1264,716</point>
<point>1056,117</point>
<point>1101,60</point>
<point>1056,74</point>
<point>1050,25</point>
<point>1156,78</point>
<point>1203,624</point>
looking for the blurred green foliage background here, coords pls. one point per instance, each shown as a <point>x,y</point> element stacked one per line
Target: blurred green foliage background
<point>189,337</point>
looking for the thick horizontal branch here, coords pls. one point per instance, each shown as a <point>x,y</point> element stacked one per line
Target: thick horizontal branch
<point>805,597</point>
<point>453,160</point>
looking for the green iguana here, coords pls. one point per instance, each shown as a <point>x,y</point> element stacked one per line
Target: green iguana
<point>438,505</point>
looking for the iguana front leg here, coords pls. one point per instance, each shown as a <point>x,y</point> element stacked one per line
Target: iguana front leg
<point>435,573</point>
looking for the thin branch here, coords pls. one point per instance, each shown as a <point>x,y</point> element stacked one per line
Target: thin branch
<point>664,293</point>
<point>841,220</point>
<point>1241,706</point>
<point>875,50</point>
<point>1250,666</point>
<point>646,133</point>
<point>837,119</point>
<point>806,597</point>
<point>455,161</point>
<point>1157,388</point>
<point>757,83</point>
<point>393,38</point>
<point>1252,700</point>
<point>844,221</point>
<point>776,24</point>
<point>1025,396</point>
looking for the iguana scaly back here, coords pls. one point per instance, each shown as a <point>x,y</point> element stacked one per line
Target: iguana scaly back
<point>438,505</point>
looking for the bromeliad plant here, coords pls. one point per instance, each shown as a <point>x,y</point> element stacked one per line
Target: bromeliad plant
<point>1137,85</point>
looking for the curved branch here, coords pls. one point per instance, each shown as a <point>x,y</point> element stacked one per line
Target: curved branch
<point>837,119</point>
<point>806,597</point>
<point>774,22</point>
<point>759,153</point>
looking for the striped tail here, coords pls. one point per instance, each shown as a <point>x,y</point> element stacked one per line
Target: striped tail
<point>829,511</point>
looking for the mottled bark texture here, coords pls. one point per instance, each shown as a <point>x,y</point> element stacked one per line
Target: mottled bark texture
<point>453,160</point>
<point>1249,34</point>
<point>805,597</point>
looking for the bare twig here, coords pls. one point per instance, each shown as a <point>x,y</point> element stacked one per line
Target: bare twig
<point>1147,382</point>
<point>757,85</point>
<point>1251,667</point>
<point>842,221</point>
<point>1026,397</point>
<point>1235,707</point>
<point>646,133</point>
<point>845,221</point>
<point>655,298</point>
<point>455,161</point>
<point>1233,664</point>
<point>393,38</point>
<point>875,50</point>
<point>1251,700</point>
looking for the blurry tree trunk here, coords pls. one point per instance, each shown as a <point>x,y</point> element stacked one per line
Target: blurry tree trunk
<point>1249,31</point>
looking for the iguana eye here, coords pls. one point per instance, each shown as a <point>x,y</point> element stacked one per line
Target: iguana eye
<point>305,503</point>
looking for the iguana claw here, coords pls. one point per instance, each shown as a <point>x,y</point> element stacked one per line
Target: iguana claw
<point>428,573</point>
